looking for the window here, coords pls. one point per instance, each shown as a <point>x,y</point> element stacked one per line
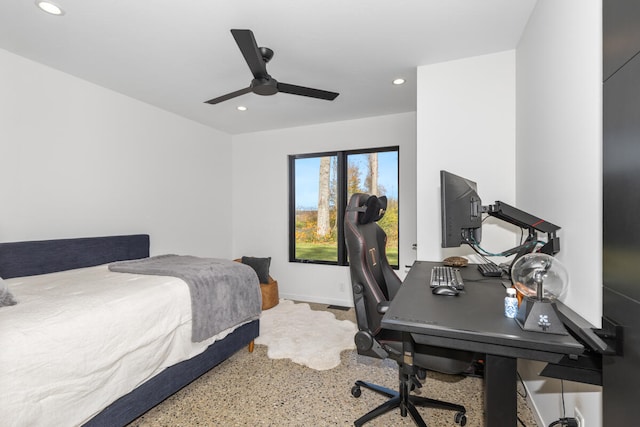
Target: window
<point>320,185</point>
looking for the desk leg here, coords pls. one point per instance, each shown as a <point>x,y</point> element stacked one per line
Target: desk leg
<point>500,399</point>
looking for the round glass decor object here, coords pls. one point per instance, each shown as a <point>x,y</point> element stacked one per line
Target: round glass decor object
<point>539,276</point>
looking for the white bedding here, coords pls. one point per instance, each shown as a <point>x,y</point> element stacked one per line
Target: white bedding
<point>80,339</point>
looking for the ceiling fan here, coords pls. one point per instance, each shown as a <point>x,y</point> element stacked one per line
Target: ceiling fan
<point>263,83</point>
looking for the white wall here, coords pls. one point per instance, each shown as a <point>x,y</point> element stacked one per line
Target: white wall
<point>466,125</point>
<point>80,160</point>
<point>558,166</point>
<point>260,201</point>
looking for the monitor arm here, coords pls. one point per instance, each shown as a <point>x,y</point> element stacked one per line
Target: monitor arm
<point>529,222</point>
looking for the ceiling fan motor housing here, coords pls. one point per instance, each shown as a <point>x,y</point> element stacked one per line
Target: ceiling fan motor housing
<point>264,86</point>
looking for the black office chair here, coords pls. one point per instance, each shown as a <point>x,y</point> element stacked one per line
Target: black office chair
<point>374,285</point>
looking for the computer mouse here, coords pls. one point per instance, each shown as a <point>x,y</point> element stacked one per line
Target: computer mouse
<point>445,290</point>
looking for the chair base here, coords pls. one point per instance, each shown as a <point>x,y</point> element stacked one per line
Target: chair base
<point>406,402</point>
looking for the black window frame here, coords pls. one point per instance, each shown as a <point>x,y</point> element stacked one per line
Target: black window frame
<point>342,201</point>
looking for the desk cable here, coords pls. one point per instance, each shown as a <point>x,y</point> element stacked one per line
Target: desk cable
<point>561,422</point>
<point>564,421</point>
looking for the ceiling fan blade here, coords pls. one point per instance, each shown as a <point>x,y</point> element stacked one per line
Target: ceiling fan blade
<point>249,48</point>
<point>229,96</point>
<point>307,91</point>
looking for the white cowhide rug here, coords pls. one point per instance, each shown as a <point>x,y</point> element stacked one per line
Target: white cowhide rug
<point>307,337</point>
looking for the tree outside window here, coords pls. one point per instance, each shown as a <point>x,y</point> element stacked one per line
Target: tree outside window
<point>320,186</point>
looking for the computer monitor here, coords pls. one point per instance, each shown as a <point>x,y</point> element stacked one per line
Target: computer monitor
<point>461,210</point>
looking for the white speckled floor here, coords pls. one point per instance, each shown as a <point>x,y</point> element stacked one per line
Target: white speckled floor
<point>250,389</point>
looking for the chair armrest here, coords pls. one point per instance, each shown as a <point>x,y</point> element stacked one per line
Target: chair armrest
<point>383,306</point>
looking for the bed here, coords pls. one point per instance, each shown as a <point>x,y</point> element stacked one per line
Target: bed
<point>144,333</point>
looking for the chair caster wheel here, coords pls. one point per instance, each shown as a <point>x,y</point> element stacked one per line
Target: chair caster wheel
<point>461,418</point>
<point>356,391</point>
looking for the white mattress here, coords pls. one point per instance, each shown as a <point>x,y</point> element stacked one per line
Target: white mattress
<point>80,339</point>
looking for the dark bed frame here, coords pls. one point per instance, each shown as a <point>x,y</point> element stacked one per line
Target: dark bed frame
<point>47,256</point>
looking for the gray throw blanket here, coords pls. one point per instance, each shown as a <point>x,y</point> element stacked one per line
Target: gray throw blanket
<point>224,293</point>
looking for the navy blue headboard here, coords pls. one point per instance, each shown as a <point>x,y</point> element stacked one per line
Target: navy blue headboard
<point>48,256</point>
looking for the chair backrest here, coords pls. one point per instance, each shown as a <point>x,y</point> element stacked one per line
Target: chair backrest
<point>371,274</point>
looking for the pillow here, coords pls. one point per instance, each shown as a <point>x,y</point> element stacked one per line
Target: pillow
<point>5,296</point>
<point>260,265</point>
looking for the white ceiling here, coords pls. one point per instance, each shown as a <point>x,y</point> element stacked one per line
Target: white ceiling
<point>177,54</point>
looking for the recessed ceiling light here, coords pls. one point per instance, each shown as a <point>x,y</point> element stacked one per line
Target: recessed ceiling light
<point>241,108</point>
<point>398,81</point>
<point>49,7</point>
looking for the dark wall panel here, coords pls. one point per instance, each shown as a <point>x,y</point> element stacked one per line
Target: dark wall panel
<point>621,28</point>
<point>621,374</point>
<point>621,180</point>
<point>621,206</point>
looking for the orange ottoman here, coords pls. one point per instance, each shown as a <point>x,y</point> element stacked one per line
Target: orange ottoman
<point>270,296</point>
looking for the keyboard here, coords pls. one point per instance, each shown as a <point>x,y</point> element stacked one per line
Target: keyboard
<point>446,276</point>
<point>490,270</point>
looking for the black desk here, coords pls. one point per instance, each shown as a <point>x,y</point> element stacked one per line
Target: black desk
<point>475,321</point>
